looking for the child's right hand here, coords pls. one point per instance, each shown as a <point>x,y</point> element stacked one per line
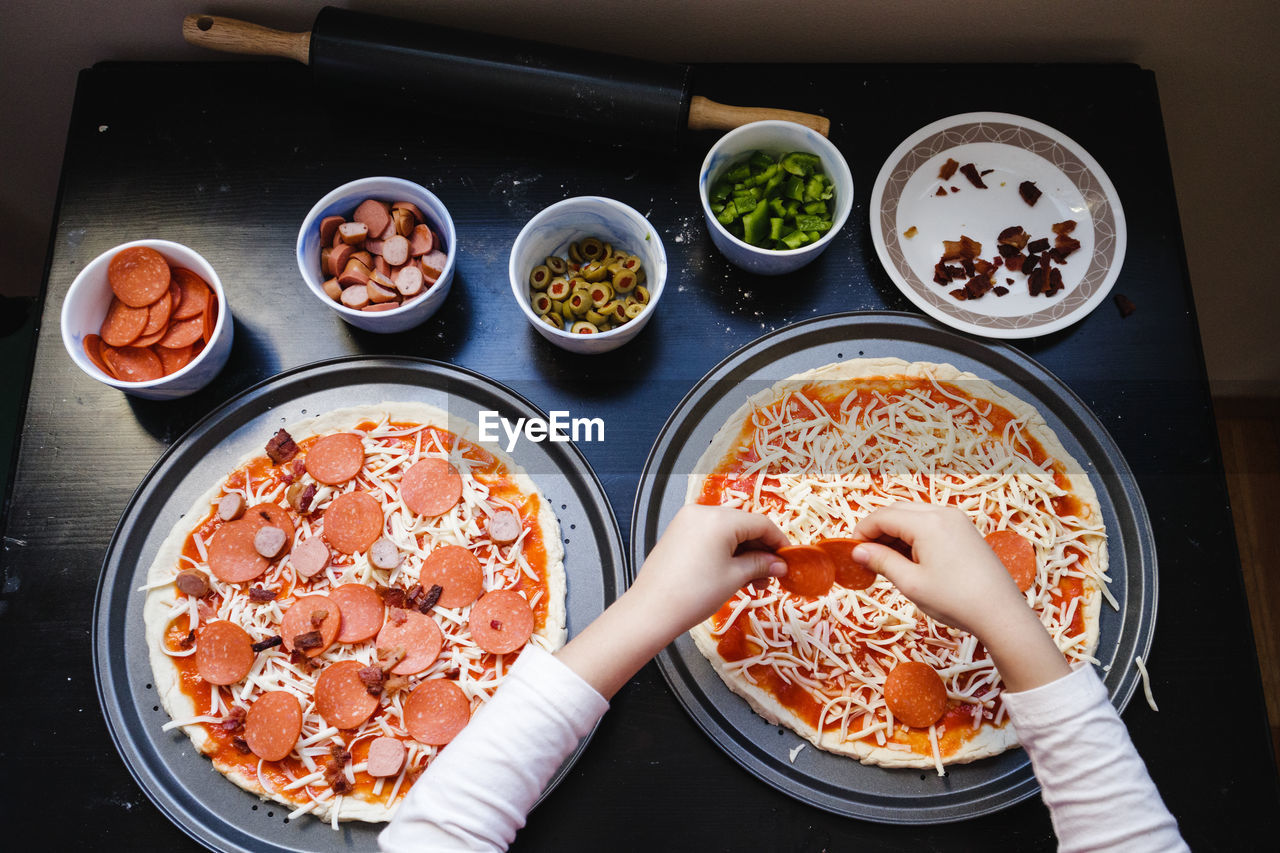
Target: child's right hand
<point>955,578</point>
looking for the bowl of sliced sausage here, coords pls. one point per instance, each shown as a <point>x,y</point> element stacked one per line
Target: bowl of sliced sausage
<point>380,252</point>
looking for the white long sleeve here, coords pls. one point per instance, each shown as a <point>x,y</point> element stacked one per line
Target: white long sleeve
<point>1099,794</point>
<point>477,792</point>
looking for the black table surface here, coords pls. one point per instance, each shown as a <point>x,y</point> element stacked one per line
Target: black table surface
<point>227,159</point>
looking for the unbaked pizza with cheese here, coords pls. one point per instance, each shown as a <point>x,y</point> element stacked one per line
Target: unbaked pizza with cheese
<point>327,618</point>
<point>853,666</point>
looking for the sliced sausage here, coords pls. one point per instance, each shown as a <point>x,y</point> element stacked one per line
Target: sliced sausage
<point>353,232</point>
<point>396,250</point>
<point>408,280</point>
<point>436,711</point>
<point>384,554</point>
<point>458,573</point>
<point>273,515</point>
<point>915,694</point>
<point>386,757</point>
<point>269,541</point>
<point>501,621</point>
<point>138,276</point>
<point>230,506</point>
<point>224,652</point>
<point>433,264</point>
<point>338,259</point>
<point>273,724</point>
<point>328,227</point>
<point>335,459</point>
<point>342,698</point>
<point>310,558</point>
<point>412,208</point>
<point>352,522</point>
<point>431,487</point>
<point>376,215</point>
<point>193,583</point>
<point>418,635</point>
<point>356,296</point>
<point>361,609</point>
<point>311,614</point>
<point>504,526</point>
<point>232,555</point>
<point>421,241</point>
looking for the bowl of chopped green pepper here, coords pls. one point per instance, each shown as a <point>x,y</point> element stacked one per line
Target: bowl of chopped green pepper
<point>774,194</point>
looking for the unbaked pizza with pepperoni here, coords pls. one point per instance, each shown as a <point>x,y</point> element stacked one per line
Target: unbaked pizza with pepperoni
<point>836,652</point>
<point>325,620</point>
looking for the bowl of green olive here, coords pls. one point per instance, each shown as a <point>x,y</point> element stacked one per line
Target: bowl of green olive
<point>588,273</point>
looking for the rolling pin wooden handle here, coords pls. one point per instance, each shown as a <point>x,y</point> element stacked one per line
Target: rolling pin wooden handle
<point>232,36</point>
<point>705,114</point>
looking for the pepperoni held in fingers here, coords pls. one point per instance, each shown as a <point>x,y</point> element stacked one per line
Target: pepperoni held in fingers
<point>915,694</point>
<point>431,487</point>
<point>342,699</point>
<point>436,711</point>
<point>849,574</point>
<point>1018,555</point>
<point>273,724</point>
<point>335,459</point>
<point>456,571</point>
<point>810,571</point>
<point>418,636</point>
<point>316,617</point>
<point>353,522</point>
<point>224,653</point>
<point>501,621</point>
<point>361,609</point>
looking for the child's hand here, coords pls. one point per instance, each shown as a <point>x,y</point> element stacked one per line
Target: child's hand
<point>953,576</point>
<point>705,554</point>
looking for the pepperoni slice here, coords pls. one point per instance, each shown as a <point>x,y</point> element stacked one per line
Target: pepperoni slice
<point>138,276</point>
<point>174,359</point>
<point>195,294</point>
<point>273,724</point>
<point>335,459</point>
<point>183,333</point>
<point>504,526</point>
<point>210,318</point>
<point>158,314</point>
<point>849,574</point>
<point>915,694</point>
<point>224,653</point>
<point>431,487</point>
<point>123,325</point>
<point>264,514</point>
<point>436,711</point>
<point>1018,555</point>
<point>353,522</point>
<point>151,340</point>
<point>458,573</point>
<point>93,349</point>
<point>342,698</point>
<point>810,571</point>
<point>311,613</point>
<point>386,757</point>
<point>232,555</point>
<point>418,635</point>
<point>501,621</point>
<point>133,364</point>
<point>361,612</point>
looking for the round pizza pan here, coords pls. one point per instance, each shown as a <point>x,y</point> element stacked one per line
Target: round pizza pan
<point>181,782</point>
<point>836,783</point>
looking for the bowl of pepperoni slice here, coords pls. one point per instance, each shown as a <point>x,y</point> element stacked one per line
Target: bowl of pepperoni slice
<point>150,318</point>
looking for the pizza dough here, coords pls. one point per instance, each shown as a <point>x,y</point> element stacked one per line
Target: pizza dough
<point>316,562</point>
<point>817,453</point>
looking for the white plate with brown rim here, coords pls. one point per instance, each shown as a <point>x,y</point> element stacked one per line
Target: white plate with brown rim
<point>1007,150</point>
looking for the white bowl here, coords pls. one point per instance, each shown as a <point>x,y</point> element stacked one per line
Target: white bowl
<point>776,138</point>
<point>343,201</point>
<point>551,232</point>
<point>86,305</point>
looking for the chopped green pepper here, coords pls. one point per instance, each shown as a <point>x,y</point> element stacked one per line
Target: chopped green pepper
<point>774,202</point>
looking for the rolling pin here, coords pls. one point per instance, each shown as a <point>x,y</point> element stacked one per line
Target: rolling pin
<point>506,80</point>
